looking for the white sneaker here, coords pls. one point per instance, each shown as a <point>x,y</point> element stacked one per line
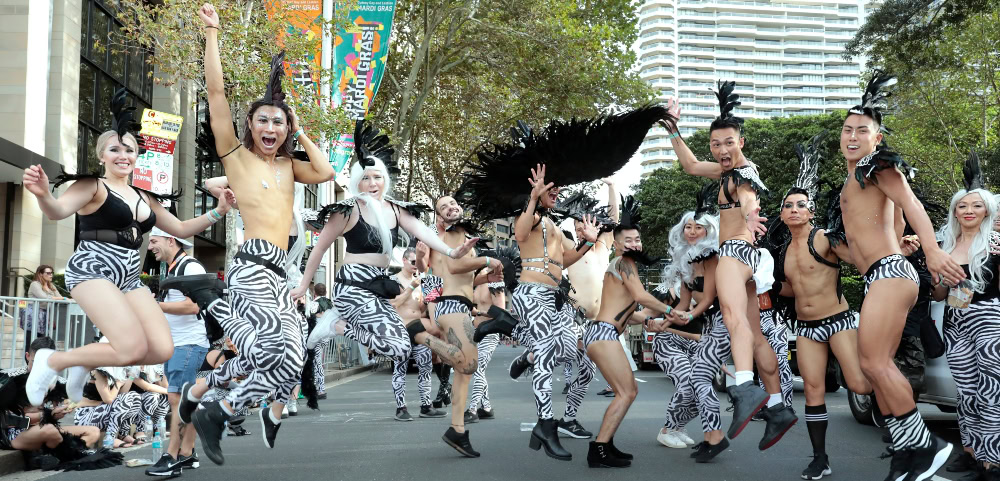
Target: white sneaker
<point>324,328</point>
<point>41,378</point>
<point>284,412</point>
<point>293,407</point>
<point>78,376</point>
<point>683,436</point>
<point>670,439</point>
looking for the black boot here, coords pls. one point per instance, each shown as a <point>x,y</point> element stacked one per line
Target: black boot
<point>500,322</point>
<point>545,434</point>
<point>617,453</point>
<point>962,463</point>
<point>520,364</point>
<point>209,422</point>
<point>779,420</point>
<point>601,456</point>
<point>748,398</point>
<point>460,442</point>
<point>413,328</point>
<point>444,374</point>
<point>203,289</point>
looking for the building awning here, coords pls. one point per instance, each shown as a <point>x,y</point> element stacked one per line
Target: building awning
<point>14,159</point>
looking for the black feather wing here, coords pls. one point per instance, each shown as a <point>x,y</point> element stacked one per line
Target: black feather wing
<point>881,159</point>
<point>972,172</point>
<point>274,92</point>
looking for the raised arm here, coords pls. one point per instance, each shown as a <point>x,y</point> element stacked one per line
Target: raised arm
<point>79,194</point>
<point>218,106</point>
<point>688,161</point>
<point>607,238</point>
<point>571,253</point>
<point>184,229</point>
<point>423,256</point>
<point>418,229</point>
<point>333,229</point>
<point>318,169</point>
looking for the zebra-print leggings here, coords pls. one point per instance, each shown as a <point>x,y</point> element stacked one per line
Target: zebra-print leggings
<point>585,367</point>
<point>101,260</point>
<point>319,369</point>
<point>776,333</point>
<point>712,351</point>
<point>545,331</point>
<point>263,324</point>
<point>421,355</point>
<point>371,320</point>
<point>972,337</point>
<point>154,405</point>
<point>674,354</point>
<point>111,418</point>
<point>480,395</point>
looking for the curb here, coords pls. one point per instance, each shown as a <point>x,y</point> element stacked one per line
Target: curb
<point>338,375</point>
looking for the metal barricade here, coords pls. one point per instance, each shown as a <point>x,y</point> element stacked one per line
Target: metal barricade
<point>342,353</point>
<point>22,319</point>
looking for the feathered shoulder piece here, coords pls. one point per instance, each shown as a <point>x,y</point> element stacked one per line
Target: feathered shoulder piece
<point>810,156</point>
<point>882,158</point>
<point>728,100</point>
<point>707,253</point>
<point>345,207</point>
<point>631,216</point>
<point>274,94</point>
<point>510,256</point>
<point>472,229</point>
<point>574,151</point>
<point>972,173</point>
<point>173,196</point>
<point>369,144</point>
<point>706,203</point>
<point>123,120</point>
<point>579,205</point>
<point>745,175</point>
<point>640,256</point>
<point>835,232</point>
<point>64,178</point>
<point>873,101</point>
<point>416,209</point>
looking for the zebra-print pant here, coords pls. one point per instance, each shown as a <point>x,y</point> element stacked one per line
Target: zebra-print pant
<point>480,395</point>
<point>319,369</point>
<point>371,320</point>
<point>972,336</point>
<point>712,351</point>
<point>674,354</point>
<point>545,331</point>
<point>421,355</point>
<point>263,324</point>
<point>776,333</point>
<point>101,260</point>
<point>585,367</point>
<point>154,405</point>
<point>111,418</point>
<point>892,266</point>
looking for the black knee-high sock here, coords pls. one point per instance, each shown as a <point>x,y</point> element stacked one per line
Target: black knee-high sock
<point>444,375</point>
<point>816,422</point>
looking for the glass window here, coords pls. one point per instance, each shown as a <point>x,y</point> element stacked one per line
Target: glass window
<point>118,60</point>
<point>105,92</point>
<point>88,90</point>
<point>84,25</point>
<point>135,70</point>
<point>99,36</point>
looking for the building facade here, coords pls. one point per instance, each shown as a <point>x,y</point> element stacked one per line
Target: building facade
<point>785,56</point>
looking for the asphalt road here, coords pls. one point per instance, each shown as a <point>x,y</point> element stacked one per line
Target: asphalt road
<point>354,437</point>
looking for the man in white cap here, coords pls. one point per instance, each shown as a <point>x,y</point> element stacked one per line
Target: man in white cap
<point>191,345</point>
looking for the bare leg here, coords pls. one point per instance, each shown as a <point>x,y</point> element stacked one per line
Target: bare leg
<point>459,397</point>
<point>882,321</point>
<point>733,276</point>
<point>90,434</point>
<point>845,347</point>
<point>610,359</point>
<point>37,436</point>
<point>459,351</point>
<point>763,353</point>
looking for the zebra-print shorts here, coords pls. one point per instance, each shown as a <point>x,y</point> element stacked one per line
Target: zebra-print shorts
<point>451,305</point>
<point>101,260</point>
<point>893,266</point>
<point>823,329</point>
<point>742,251</point>
<point>600,331</point>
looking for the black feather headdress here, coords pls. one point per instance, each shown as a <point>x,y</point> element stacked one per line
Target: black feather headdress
<point>728,101</point>
<point>631,217</point>
<point>369,144</point>
<point>579,205</point>
<point>810,156</point>
<point>574,151</point>
<point>873,102</point>
<point>510,257</point>
<point>972,172</point>
<point>123,121</point>
<point>706,203</point>
<point>274,94</point>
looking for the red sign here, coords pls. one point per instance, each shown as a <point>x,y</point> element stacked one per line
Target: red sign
<point>143,178</point>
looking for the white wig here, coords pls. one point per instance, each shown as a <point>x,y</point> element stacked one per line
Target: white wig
<point>374,205</point>
<point>979,250</point>
<point>682,253</point>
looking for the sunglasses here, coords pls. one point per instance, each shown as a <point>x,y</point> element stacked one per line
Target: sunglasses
<point>48,273</point>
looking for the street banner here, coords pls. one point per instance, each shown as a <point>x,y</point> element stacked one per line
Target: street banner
<point>360,55</point>
<point>305,17</point>
<point>154,169</point>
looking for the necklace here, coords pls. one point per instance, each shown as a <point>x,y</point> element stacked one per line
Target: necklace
<point>274,168</point>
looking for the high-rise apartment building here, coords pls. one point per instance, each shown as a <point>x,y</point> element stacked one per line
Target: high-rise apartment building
<point>785,56</point>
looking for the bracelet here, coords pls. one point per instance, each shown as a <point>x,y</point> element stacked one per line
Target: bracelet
<point>213,216</point>
<point>669,310</point>
<point>297,134</point>
<point>674,135</point>
<point>449,252</point>
<point>589,244</point>
<point>690,317</point>
<point>211,26</point>
<point>487,262</point>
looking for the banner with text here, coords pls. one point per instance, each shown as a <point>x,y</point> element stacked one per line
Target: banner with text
<point>154,169</point>
<point>360,54</point>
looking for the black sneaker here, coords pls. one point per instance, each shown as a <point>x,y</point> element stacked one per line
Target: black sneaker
<point>748,398</point>
<point>186,406</point>
<point>573,429</point>
<point>711,450</point>
<point>779,420</point>
<point>470,417</point>
<point>189,461</point>
<point>321,396</point>
<point>899,465</point>
<point>926,461</point>
<point>209,422</point>
<point>429,412</point>
<point>484,414</point>
<point>605,392</point>
<point>566,389</point>
<point>698,448</point>
<point>268,428</point>
<point>238,431</point>
<point>460,442</point>
<point>519,365</point>
<point>962,463</point>
<point>165,466</point>
<point>403,415</point>
<point>819,467</point>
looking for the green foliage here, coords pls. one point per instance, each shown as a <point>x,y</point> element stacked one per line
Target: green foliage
<point>58,279</point>
<point>665,196</point>
<point>854,290</point>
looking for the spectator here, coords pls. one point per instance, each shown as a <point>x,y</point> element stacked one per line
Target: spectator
<point>320,304</point>
<point>221,274</point>
<point>41,288</point>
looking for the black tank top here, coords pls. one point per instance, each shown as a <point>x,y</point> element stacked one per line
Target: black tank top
<point>360,238</point>
<point>115,215</point>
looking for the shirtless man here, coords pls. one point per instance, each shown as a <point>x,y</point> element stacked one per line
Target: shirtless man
<point>454,316</point>
<point>874,192</point>
<point>259,316</point>
<point>410,305</point>
<point>621,292</point>
<point>486,295</point>
<point>430,287</point>
<point>812,275</point>
<point>739,225</point>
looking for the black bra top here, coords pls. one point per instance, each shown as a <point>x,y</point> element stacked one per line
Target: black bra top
<point>90,392</point>
<point>115,215</point>
<point>364,239</point>
<point>698,285</point>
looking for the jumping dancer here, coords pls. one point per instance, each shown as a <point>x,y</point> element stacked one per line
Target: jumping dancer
<point>410,306</point>
<point>809,265</point>
<point>740,224</point>
<point>102,275</point>
<point>564,153</point>
<point>875,190</point>
<point>259,315</point>
<point>622,291</point>
<point>972,334</point>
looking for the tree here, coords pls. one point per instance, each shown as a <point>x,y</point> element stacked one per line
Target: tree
<point>665,196</point>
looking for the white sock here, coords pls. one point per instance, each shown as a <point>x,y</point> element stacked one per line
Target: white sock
<point>774,400</point>
<point>226,409</point>
<point>270,414</point>
<point>743,377</point>
<point>190,396</point>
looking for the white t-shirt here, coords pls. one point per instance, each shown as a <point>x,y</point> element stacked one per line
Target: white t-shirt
<point>186,329</point>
